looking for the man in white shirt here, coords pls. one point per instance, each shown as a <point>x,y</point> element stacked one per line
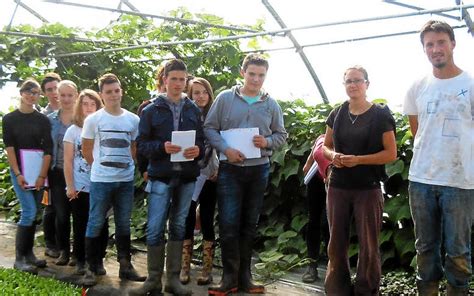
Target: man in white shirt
<point>440,108</point>
<point>108,144</point>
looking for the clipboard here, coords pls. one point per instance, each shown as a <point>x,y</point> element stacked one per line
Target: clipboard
<point>31,163</point>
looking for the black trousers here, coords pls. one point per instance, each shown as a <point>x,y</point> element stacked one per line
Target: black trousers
<point>207,201</point>
<point>62,208</point>
<point>317,227</point>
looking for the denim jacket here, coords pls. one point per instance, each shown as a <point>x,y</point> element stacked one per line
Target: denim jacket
<point>155,128</point>
<point>56,125</point>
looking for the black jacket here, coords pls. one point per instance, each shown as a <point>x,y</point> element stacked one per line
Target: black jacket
<point>155,128</point>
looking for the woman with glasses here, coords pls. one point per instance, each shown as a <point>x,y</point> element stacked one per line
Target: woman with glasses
<point>360,139</point>
<point>27,132</point>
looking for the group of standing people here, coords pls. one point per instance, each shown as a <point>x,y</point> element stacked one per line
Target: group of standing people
<point>90,167</point>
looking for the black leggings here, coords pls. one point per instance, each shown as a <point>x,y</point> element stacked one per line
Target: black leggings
<point>207,201</point>
<point>80,215</point>
<point>317,224</point>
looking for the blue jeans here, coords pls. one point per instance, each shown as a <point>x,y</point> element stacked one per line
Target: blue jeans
<point>240,193</point>
<point>119,195</point>
<point>440,214</point>
<point>29,202</point>
<point>174,197</point>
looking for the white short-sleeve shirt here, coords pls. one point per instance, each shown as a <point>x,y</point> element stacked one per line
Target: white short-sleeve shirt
<point>443,149</point>
<point>81,169</point>
<point>113,136</point>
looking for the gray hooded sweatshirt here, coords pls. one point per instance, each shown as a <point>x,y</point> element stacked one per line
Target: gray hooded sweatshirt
<point>231,111</point>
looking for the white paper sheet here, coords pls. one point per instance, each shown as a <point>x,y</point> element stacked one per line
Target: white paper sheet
<point>242,140</point>
<point>185,139</point>
<point>312,171</point>
<point>31,163</point>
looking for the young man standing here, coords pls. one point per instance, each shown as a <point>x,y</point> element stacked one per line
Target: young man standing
<point>49,88</point>
<point>440,108</point>
<point>171,183</point>
<point>108,144</point>
<point>242,181</point>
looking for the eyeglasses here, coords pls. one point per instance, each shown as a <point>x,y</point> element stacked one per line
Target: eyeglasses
<point>31,93</point>
<point>355,81</point>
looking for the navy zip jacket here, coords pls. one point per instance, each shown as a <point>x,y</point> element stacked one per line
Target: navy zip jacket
<point>155,128</point>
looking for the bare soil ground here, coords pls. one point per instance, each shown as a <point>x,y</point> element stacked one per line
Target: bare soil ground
<point>110,284</point>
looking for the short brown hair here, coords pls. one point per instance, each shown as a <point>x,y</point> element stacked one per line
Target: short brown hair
<point>438,27</point>
<point>78,117</point>
<point>108,78</point>
<point>29,84</point>
<point>48,77</point>
<point>358,68</point>
<point>254,59</point>
<point>174,65</point>
<point>208,88</point>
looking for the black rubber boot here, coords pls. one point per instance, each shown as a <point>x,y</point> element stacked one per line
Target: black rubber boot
<point>246,283</point>
<point>456,291</point>
<point>155,265</point>
<point>92,255</point>
<point>230,261</point>
<point>311,273</point>
<point>126,271</point>
<point>174,252</point>
<point>63,258</point>
<point>30,256</point>
<point>427,288</point>
<point>21,244</point>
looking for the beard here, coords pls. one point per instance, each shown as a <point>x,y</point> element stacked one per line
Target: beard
<point>439,65</point>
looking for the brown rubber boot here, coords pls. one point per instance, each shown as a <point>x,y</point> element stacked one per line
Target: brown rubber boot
<point>186,261</point>
<point>207,257</point>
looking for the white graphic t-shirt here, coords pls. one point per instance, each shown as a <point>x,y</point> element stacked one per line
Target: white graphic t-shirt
<point>113,136</point>
<point>443,149</point>
<point>81,169</point>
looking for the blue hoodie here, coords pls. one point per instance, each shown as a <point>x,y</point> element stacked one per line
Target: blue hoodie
<point>230,111</point>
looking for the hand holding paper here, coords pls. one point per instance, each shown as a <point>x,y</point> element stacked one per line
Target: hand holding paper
<point>191,152</point>
<point>259,141</point>
<point>171,149</point>
<point>234,155</point>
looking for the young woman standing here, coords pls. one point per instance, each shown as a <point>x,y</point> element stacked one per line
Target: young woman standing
<point>360,139</point>
<point>205,193</point>
<point>77,175</point>
<point>61,120</point>
<point>26,130</point>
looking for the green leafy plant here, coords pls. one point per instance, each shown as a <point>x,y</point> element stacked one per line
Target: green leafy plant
<point>14,282</point>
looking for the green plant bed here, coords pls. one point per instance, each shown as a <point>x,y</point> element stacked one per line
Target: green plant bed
<point>404,283</point>
<point>14,282</point>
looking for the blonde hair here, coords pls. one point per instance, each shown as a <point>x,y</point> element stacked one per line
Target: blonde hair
<point>78,117</point>
<point>69,83</point>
